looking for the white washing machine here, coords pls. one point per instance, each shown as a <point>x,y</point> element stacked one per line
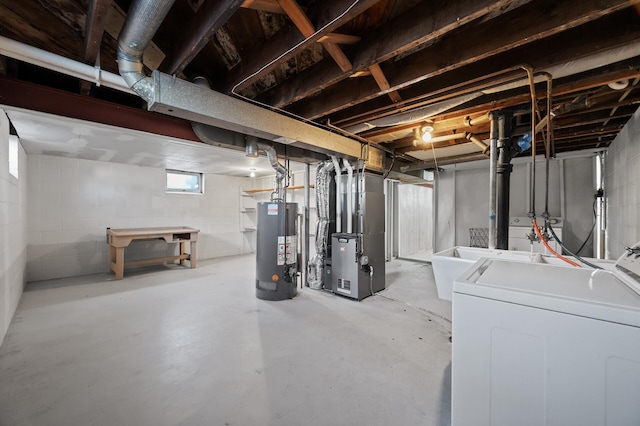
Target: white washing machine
<point>537,344</point>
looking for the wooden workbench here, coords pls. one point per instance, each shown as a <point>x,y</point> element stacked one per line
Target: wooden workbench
<point>118,239</point>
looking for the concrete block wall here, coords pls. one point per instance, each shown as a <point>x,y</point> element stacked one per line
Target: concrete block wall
<point>622,189</point>
<point>73,201</point>
<point>13,229</point>
<point>462,198</point>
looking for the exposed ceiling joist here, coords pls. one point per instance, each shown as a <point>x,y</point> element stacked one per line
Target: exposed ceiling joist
<point>206,22</point>
<point>289,42</point>
<point>422,24</point>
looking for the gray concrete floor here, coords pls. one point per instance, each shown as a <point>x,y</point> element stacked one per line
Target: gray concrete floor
<point>173,346</point>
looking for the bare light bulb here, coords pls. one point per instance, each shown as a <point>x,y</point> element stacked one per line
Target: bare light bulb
<point>252,173</point>
<point>426,133</point>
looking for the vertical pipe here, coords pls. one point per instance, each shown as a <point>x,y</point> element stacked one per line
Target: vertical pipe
<point>503,172</point>
<point>338,170</point>
<point>492,179</point>
<point>307,209</point>
<point>532,89</point>
<point>349,195</point>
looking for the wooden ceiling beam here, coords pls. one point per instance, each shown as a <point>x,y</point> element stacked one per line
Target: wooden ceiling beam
<point>304,24</point>
<point>458,120</point>
<point>209,19</point>
<point>422,24</point>
<point>383,83</point>
<point>532,25</point>
<point>339,38</point>
<point>289,42</point>
<point>271,6</point>
<point>541,55</point>
<point>93,30</point>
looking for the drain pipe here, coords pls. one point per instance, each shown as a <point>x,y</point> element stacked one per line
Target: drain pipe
<point>349,195</point>
<point>493,116</point>
<point>338,170</point>
<point>503,172</point>
<point>143,20</point>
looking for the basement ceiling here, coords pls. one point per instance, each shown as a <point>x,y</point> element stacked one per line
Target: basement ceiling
<point>380,68</point>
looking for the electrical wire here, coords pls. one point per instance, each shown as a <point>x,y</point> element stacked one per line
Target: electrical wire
<point>552,251</point>
<point>595,216</point>
<point>569,251</point>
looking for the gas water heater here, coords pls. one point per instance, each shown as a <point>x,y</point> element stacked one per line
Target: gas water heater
<point>276,250</point>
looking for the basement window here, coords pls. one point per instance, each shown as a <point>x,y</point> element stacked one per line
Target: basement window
<point>184,182</point>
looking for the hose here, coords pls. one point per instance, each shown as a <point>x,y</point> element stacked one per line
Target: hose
<point>552,251</point>
<point>569,251</point>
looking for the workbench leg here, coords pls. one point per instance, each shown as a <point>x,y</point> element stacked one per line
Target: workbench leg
<point>119,263</point>
<point>182,244</point>
<point>192,255</point>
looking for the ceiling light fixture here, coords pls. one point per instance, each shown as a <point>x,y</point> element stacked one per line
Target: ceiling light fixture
<point>252,173</point>
<point>426,133</point>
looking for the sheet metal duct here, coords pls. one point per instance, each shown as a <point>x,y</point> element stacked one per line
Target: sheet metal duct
<point>172,96</point>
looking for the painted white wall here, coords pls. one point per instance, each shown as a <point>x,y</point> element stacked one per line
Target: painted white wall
<point>622,189</point>
<point>13,229</point>
<point>72,202</point>
<point>415,219</point>
<point>462,198</point>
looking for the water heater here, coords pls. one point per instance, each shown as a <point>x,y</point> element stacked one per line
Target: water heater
<point>276,251</point>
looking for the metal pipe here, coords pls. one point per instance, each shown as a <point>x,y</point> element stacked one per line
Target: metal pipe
<point>492,179</point>
<point>548,144</point>
<point>143,20</point>
<point>532,88</point>
<point>338,170</point>
<point>349,195</point>
<point>307,208</point>
<point>503,178</point>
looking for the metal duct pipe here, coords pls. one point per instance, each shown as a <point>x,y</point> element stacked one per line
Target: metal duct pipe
<point>338,170</point>
<point>315,270</point>
<point>492,179</point>
<point>349,195</point>
<point>281,172</point>
<point>143,20</point>
<point>415,115</point>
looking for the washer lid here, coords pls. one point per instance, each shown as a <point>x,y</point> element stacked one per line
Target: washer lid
<point>579,291</point>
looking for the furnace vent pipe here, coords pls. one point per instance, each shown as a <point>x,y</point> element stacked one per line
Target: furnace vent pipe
<point>336,167</point>
<point>143,20</point>
<point>252,149</point>
<point>349,195</point>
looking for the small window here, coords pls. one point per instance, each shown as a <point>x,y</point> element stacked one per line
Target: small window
<point>178,181</point>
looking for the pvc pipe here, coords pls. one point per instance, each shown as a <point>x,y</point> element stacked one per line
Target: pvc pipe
<point>349,195</point>
<point>42,58</point>
<point>336,166</point>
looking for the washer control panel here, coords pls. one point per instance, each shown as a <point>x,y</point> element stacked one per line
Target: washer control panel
<point>629,262</point>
